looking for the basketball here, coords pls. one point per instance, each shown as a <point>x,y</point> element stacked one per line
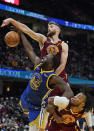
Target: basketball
<point>12,39</point>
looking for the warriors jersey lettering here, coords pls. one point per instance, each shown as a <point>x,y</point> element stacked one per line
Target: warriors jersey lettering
<point>35,81</point>
<point>37,88</point>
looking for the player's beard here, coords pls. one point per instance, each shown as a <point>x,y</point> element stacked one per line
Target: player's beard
<point>50,34</point>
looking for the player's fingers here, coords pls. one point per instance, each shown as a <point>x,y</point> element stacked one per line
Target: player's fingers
<point>3,25</point>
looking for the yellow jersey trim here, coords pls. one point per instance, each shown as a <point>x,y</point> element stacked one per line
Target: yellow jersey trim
<point>46,71</point>
<point>57,42</point>
<point>36,66</point>
<point>24,110</point>
<point>66,76</point>
<point>73,112</point>
<point>50,120</point>
<point>62,43</point>
<point>83,115</point>
<point>42,70</point>
<point>48,80</point>
<point>77,114</point>
<point>46,95</point>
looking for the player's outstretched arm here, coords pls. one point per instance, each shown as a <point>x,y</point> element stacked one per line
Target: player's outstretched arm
<point>57,81</point>
<point>29,49</point>
<point>36,36</point>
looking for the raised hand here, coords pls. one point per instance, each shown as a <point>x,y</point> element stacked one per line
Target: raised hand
<point>6,22</point>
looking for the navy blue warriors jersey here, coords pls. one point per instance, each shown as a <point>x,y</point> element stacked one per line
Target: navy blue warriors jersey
<point>37,89</point>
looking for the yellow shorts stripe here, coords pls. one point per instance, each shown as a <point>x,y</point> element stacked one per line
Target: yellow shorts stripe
<point>36,121</point>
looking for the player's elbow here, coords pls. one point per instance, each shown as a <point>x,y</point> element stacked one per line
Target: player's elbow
<point>70,94</point>
<point>64,86</point>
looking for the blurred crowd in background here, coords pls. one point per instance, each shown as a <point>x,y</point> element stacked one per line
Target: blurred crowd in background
<point>80,64</point>
<point>81,60</point>
<point>11,116</point>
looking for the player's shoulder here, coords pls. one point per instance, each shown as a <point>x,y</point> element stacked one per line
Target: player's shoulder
<point>64,43</point>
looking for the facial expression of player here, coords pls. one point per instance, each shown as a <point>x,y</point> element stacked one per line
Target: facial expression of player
<point>78,99</point>
<point>51,30</point>
<point>47,62</point>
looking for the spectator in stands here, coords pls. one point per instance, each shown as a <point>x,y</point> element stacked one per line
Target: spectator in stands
<point>11,117</point>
